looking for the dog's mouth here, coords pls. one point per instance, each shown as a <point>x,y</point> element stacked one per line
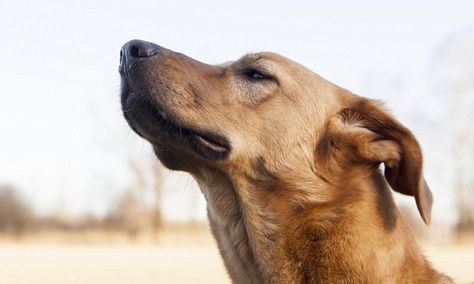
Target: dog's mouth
<point>162,129</point>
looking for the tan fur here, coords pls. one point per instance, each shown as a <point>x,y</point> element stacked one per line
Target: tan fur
<point>300,198</point>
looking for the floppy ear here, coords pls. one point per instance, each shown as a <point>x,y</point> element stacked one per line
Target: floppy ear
<point>373,136</point>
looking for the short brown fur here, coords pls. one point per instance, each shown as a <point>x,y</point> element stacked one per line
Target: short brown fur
<point>299,197</point>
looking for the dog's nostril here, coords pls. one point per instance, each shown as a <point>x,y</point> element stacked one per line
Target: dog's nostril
<point>140,49</point>
<point>134,51</point>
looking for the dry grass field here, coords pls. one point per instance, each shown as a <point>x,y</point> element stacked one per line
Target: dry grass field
<point>179,256</point>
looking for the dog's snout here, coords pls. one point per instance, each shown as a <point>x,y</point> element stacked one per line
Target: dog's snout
<point>136,49</point>
<point>139,49</point>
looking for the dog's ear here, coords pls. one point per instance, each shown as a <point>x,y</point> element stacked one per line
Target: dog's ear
<point>366,133</point>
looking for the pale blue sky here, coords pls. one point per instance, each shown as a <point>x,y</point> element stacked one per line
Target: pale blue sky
<point>65,144</point>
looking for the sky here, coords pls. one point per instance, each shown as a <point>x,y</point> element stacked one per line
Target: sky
<point>65,145</point>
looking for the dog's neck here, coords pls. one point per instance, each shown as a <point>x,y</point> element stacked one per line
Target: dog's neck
<point>246,235</point>
<point>251,232</point>
<point>261,243</point>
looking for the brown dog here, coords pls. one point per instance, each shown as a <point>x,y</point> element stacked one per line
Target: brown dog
<point>288,163</point>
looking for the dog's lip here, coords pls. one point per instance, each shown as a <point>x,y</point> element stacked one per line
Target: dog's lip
<point>215,146</point>
<point>207,143</point>
<point>211,143</point>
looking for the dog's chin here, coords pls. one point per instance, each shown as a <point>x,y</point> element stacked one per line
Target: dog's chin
<point>174,142</point>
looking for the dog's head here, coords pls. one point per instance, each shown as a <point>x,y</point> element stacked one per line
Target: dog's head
<point>265,119</point>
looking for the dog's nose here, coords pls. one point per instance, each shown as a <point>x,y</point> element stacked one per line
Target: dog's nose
<point>136,49</point>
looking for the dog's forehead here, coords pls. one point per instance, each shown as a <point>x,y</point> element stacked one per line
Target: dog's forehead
<point>227,63</point>
<point>263,56</point>
<point>244,60</point>
<point>269,61</point>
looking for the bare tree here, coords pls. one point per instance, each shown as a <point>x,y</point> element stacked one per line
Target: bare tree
<point>139,211</point>
<point>148,184</point>
<point>15,215</point>
<point>456,67</point>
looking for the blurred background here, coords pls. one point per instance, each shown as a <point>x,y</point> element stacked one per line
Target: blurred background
<point>83,200</point>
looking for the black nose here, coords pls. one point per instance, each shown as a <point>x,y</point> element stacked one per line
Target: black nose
<point>136,49</point>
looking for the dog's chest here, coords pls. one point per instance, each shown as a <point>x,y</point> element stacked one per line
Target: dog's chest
<point>229,229</point>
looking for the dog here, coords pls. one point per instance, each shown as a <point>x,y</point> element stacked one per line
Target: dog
<point>288,162</point>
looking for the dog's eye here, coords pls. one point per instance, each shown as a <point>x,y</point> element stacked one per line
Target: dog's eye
<point>255,74</point>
